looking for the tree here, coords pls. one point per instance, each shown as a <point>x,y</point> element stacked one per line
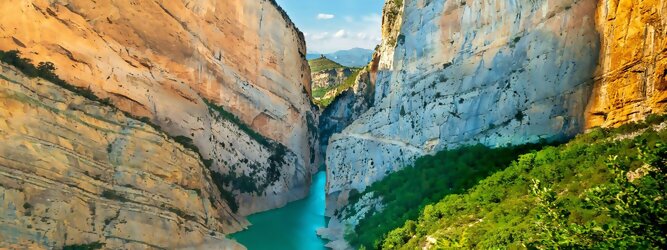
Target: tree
<point>634,201</point>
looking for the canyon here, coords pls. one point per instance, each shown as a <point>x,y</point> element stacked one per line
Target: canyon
<point>209,118</point>
<point>227,79</point>
<point>74,171</point>
<point>176,74</point>
<point>451,73</point>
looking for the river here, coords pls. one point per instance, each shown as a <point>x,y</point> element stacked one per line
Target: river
<point>291,227</point>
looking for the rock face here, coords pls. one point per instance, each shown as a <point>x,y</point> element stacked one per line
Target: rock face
<point>346,108</point>
<point>383,59</point>
<point>165,59</point>
<point>330,78</point>
<point>465,72</point>
<point>631,80</point>
<point>73,171</point>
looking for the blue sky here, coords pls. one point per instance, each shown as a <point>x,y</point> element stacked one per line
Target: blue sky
<point>331,25</point>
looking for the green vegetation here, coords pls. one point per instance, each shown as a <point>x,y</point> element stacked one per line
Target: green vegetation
<point>46,71</point>
<point>244,183</point>
<point>407,191</point>
<point>603,191</point>
<point>633,201</point>
<point>322,64</point>
<point>114,195</point>
<point>88,246</point>
<point>219,181</point>
<point>319,93</point>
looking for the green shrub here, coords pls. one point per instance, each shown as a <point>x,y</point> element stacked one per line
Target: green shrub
<point>46,71</point>
<point>430,179</point>
<point>587,203</point>
<point>636,208</point>
<point>113,195</point>
<point>88,246</point>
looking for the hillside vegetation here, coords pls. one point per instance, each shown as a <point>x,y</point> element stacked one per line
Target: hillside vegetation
<point>322,64</point>
<point>604,189</point>
<point>325,96</point>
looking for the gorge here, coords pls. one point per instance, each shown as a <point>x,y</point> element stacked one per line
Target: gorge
<point>178,124</point>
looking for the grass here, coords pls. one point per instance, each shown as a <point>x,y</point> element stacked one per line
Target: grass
<point>322,64</point>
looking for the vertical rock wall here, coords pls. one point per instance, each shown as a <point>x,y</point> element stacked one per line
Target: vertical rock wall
<point>462,72</point>
<point>631,80</point>
<point>73,171</point>
<point>162,60</point>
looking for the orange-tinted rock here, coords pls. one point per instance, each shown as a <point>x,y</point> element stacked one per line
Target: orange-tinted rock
<point>631,80</point>
<point>161,59</point>
<point>73,171</point>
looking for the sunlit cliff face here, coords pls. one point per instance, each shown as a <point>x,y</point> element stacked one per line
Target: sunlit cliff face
<point>631,79</point>
<point>163,60</point>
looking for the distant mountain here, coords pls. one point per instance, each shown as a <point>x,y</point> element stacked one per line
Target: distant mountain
<point>356,57</point>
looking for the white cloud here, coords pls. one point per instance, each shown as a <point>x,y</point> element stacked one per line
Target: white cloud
<point>364,32</point>
<point>340,34</point>
<point>319,36</point>
<point>324,16</point>
<point>349,19</point>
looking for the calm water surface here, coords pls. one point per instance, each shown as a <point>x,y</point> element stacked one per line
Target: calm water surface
<point>291,227</point>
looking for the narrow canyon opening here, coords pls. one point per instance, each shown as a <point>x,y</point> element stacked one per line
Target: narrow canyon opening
<point>342,39</point>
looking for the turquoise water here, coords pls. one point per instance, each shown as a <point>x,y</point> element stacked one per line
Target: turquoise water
<point>291,227</point>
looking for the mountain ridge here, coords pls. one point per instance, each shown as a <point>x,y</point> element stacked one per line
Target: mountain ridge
<point>355,57</point>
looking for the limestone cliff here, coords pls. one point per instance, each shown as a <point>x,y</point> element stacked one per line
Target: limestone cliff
<point>631,80</point>
<point>383,58</point>
<point>330,78</point>
<point>74,171</point>
<point>346,108</point>
<point>461,72</point>
<point>496,72</point>
<point>166,60</point>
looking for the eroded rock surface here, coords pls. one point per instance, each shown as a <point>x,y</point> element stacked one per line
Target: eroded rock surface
<point>346,108</point>
<point>73,171</point>
<point>631,80</point>
<point>462,72</point>
<point>498,72</point>
<point>330,78</point>
<point>162,60</point>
